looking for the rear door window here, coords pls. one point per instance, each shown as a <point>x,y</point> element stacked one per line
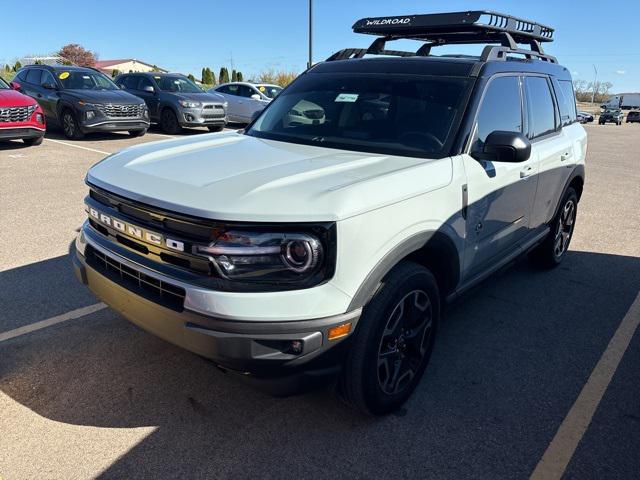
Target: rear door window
<point>501,109</point>
<point>131,82</point>
<point>542,112</point>
<point>33,77</point>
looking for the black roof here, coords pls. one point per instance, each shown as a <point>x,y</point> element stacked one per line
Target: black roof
<point>442,65</point>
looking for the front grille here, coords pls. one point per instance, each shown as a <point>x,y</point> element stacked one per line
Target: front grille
<point>122,111</point>
<point>157,291</point>
<point>16,114</point>
<point>213,115</point>
<point>215,107</point>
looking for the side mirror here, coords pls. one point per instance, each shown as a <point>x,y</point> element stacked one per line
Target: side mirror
<point>15,85</point>
<point>49,86</point>
<point>149,89</point>
<point>255,96</point>
<point>501,146</point>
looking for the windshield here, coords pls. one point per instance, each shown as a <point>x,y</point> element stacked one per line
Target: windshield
<point>177,84</point>
<point>383,113</point>
<point>270,91</point>
<point>85,80</point>
<point>4,85</point>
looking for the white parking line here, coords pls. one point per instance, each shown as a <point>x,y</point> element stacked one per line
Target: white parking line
<point>77,146</point>
<point>80,312</point>
<point>160,134</point>
<point>554,462</point>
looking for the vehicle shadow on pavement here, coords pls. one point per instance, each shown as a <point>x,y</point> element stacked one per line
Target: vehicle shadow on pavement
<point>511,357</point>
<point>13,145</point>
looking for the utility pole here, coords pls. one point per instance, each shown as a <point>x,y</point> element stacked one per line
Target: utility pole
<point>595,83</point>
<point>310,62</point>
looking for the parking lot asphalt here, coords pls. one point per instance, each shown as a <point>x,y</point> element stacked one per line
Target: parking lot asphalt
<point>95,396</point>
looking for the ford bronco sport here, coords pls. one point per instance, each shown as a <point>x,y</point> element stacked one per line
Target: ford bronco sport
<point>293,251</point>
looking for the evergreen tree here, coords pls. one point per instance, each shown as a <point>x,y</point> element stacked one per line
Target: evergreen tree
<point>17,66</point>
<point>234,76</point>
<point>191,77</point>
<point>240,77</point>
<point>203,75</point>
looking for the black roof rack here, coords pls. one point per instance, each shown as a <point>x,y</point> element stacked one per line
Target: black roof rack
<point>472,27</point>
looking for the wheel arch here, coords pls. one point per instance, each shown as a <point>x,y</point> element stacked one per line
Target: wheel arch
<point>435,250</point>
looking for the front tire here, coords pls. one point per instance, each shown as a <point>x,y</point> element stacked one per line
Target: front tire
<point>32,141</point>
<point>215,128</point>
<point>393,341</point>
<point>553,249</point>
<point>137,133</point>
<point>70,126</point>
<point>169,122</point>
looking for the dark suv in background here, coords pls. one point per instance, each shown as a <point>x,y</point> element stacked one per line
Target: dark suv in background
<point>174,101</point>
<point>82,100</point>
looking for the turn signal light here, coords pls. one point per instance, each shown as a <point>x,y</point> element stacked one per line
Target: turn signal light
<point>339,331</point>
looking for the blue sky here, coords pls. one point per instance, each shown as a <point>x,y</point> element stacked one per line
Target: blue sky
<point>185,36</point>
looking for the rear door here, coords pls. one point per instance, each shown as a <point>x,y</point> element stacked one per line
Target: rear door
<point>500,194</point>
<point>31,84</point>
<point>48,97</point>
<point>551,142</point>
<point>150,98</point>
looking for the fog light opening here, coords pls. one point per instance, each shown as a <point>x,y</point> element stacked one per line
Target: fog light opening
<point>296,347</point>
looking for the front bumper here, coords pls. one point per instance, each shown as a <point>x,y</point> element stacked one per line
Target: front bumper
<point>200,117</point>
<point>259,350</point>
<point>114,125</point>
<point>21,132</point>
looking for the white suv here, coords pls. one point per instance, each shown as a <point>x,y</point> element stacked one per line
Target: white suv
<point>291,251</point>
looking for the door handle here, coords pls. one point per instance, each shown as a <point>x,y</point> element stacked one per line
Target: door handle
<point>565,156</point>
<point>526,171</point>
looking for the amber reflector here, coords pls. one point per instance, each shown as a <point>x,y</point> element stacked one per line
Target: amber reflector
<point>339,331</point>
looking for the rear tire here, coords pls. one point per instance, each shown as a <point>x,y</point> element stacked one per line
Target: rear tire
<point>553,249</point>
<point>32,141</point>
<point>393,341</point>
<point>169,122</point>
<point>70,126</point>
<point>137,133</point>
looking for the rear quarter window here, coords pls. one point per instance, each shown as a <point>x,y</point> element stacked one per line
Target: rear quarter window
<point>540,106</point>
<point>566,102</point>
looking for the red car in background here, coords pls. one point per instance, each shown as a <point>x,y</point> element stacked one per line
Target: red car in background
<point>20,116</point>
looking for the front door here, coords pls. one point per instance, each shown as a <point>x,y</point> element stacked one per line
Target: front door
<point>500,194</point>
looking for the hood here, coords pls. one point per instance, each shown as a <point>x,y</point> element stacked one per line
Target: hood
<point>201,97</point>
<point>236,177</point>
<point>11,98</point>
<point>103,96</point>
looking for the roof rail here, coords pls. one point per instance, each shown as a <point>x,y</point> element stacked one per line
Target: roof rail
<point>472,27</point>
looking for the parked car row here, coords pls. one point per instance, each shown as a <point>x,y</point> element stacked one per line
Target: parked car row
<point>81,100</point>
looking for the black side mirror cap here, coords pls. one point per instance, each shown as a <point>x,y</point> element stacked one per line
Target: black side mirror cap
<point>49,86</point>
<point>502,146</point>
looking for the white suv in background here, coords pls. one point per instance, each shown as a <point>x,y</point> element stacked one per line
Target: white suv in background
<point>296,251</point>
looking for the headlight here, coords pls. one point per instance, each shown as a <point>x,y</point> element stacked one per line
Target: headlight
<point>278,258</point>
<point>82,103</point>
<point>189,104</point>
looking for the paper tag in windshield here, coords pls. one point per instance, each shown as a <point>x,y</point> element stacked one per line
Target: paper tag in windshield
<point>347,97</point>
<point>63,75</point>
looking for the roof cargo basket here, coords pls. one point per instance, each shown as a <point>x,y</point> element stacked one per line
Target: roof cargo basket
<point>473,27</point>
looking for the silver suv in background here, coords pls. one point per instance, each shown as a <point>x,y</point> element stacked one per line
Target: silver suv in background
<point>174,101</point>
<point>245,99</point>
